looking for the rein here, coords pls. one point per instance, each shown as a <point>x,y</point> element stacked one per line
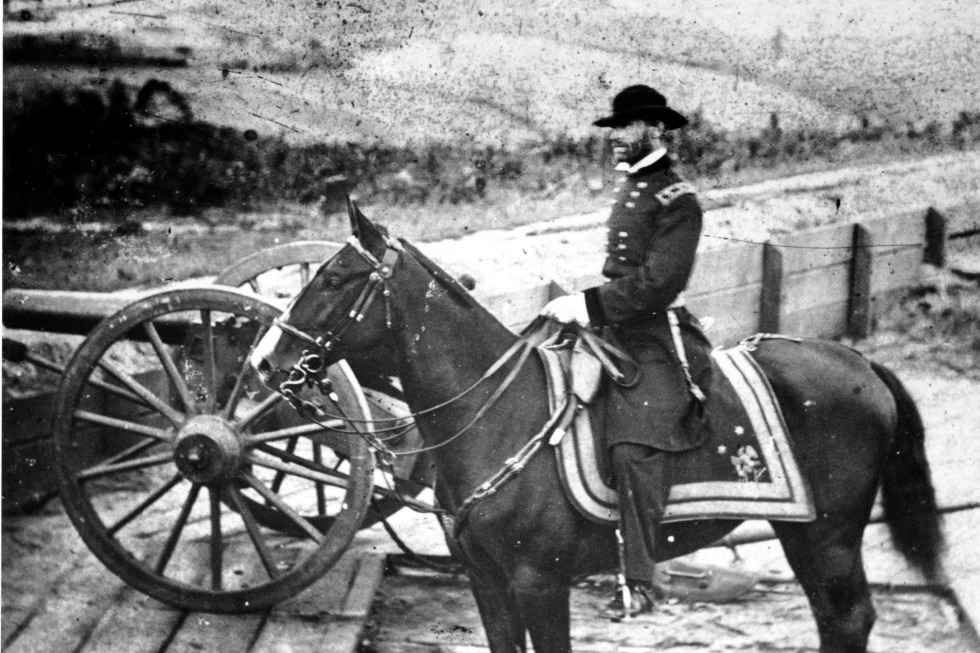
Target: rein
<point>310,371</point>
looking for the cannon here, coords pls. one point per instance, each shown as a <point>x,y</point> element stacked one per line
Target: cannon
<point>209,492</point>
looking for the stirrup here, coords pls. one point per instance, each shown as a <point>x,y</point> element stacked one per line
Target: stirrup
<point>641,602</point>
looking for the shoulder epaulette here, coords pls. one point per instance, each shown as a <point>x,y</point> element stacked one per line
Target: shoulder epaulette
<point>672,192</point>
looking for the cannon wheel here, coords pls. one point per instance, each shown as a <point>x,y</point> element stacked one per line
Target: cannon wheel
<point>295,263</point>
<point>196,444</point>
<point>281,272</point>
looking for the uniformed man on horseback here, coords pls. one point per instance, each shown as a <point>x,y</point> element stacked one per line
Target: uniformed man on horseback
<point>653,233</point>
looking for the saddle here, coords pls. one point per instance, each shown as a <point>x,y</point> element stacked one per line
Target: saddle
<point>746,469</point>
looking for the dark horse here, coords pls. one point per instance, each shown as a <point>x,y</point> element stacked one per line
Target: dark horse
<point>380,302</point>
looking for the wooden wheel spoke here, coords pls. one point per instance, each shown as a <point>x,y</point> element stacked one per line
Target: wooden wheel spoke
<point>161,435</point>
<point>175,416</point>
<point>304,273</point>
<point>210,363</point>
<point>169,366</point>
<point>301,462</point>
<point>290,432</point>
<point>243,372</point>
<point>130,452</point>
<point>44,363</point>
<point>128,466</point>
<point>254,534</point>
<point>280,475</point>
<point>178,528</point>
<point>253,283</point>
<point>325,477</point>
<point>217,544</point>
<point>146,503</point>
<point>261,409</point>
<point>284,507</point>
<point>321,499</point>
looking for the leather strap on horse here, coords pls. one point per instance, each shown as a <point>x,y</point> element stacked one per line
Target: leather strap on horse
<point>536,332</point>
<point>559,421</point>
<point>602,350</point>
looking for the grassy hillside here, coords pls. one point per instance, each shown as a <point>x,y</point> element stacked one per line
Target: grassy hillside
<point>499,72</point>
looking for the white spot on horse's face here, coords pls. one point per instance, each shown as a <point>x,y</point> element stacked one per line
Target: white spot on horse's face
<point>265,347</point>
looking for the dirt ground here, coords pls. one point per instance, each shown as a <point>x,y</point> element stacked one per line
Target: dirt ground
<point>426,613</point>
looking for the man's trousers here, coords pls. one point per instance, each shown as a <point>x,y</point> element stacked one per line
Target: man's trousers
<point>643,484</point>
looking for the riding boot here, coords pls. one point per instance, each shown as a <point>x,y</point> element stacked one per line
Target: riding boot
<point>643,598</point>
<point>643,485</point>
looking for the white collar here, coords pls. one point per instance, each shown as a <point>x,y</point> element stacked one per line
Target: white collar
<point>646,161</point>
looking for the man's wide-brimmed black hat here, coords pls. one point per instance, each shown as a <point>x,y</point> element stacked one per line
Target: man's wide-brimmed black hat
<point>641,103</point>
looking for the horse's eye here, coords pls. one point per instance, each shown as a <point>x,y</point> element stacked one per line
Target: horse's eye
<point>334,282</point>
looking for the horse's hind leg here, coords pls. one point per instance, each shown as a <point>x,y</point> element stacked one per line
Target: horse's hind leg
<point>826,557</point>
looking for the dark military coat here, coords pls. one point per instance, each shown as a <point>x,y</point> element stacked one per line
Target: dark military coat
<point>654,228</point>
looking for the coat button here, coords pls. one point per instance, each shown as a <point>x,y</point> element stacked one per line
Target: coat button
<point>634,193</point>
<point>642,184</point>
<point>623,234</point>
<point>621,258</point>
<point>613,202</point>
<point>621,246</point>
<point>631,205</point>
<point>616,189</point>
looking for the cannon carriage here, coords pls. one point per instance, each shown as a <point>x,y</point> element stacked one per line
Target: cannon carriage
<point>187,477</point>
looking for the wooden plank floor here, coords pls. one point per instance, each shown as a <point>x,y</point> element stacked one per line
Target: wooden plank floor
<point>58,597</point>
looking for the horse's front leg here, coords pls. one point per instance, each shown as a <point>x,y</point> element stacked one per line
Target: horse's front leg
<point>543,600</point>
<point>501,620</point>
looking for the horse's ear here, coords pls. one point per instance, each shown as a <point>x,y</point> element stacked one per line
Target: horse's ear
<point>355,216</point>
<point>371,236</point>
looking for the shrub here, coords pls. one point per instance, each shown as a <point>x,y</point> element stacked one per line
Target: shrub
<point>127,147</point>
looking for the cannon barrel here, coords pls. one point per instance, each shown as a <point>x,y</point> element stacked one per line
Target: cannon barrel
<point>78,313</point>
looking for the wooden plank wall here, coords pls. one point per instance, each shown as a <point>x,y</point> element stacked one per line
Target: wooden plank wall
<point>825,282</point>
<point>813,284</point>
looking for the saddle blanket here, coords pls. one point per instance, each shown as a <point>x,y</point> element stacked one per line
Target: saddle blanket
<point>746,469</point>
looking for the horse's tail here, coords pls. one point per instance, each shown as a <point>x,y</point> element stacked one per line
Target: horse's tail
<point>908,495</point>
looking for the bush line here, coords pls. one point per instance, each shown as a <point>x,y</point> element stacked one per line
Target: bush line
<point>125,148</point>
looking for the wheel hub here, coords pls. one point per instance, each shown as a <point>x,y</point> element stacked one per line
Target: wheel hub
<point>207,450</point>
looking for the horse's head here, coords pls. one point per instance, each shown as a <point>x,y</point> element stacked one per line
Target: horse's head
<point>344,311</point>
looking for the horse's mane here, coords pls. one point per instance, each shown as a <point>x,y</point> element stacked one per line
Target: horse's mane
<point>446,280</point>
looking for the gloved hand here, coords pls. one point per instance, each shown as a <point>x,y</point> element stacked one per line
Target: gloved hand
<point>568,309</point>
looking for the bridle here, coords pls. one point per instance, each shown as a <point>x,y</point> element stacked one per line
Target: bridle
<point>376,284</point>
<point>310,370</point>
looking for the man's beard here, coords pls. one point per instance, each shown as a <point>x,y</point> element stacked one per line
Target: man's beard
<point>633,153</point>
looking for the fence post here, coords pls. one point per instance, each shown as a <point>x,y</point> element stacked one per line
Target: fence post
<point>771,299</point>
<point>935,251</point>
<point>859,299</point>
